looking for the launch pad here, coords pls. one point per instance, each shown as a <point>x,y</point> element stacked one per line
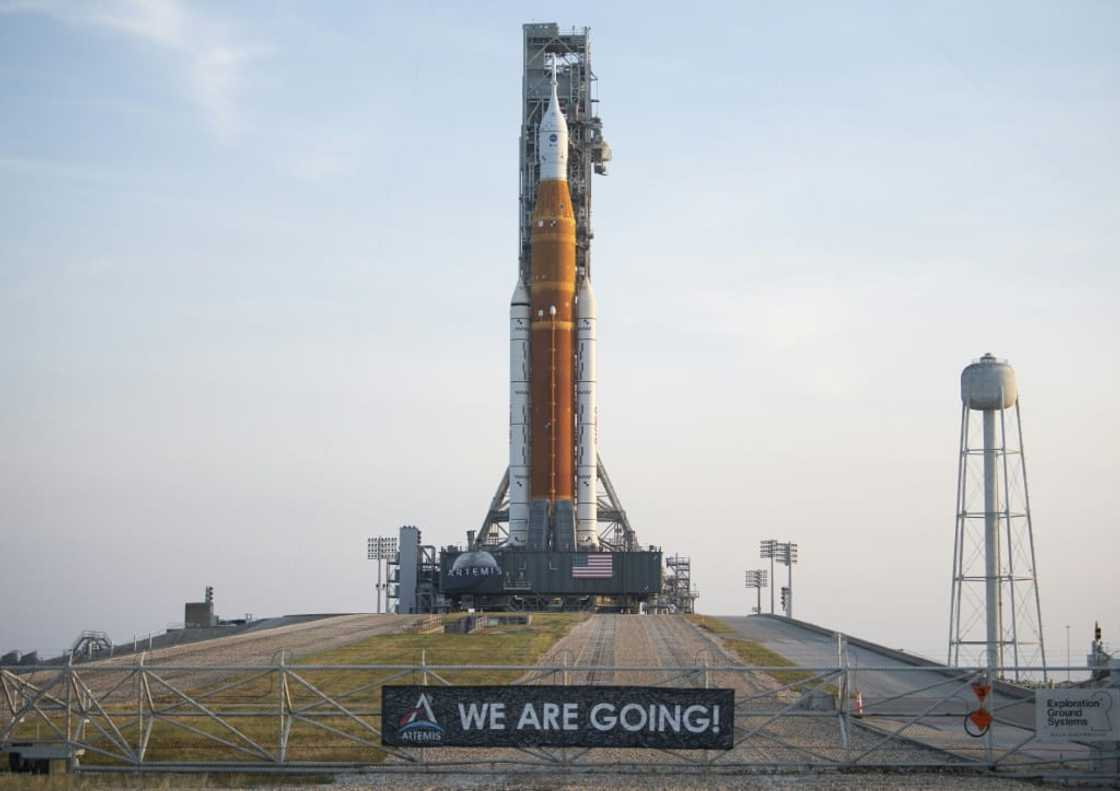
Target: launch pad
<point>542,580</point>
<point>555,535</point>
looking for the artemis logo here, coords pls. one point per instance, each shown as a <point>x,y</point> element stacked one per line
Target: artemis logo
<point>419,723</point>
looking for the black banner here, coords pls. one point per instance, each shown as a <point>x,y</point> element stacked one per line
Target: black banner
<point>558,716</point>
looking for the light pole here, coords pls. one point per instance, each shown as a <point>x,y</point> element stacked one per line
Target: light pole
<point>381,548</point>
<point>789,557</point>
<point>767,550</point>
<point>756,578</point>
<point>783,552</point>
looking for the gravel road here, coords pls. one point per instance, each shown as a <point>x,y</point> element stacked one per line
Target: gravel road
<point>879,781</point>
<point>671,642</point>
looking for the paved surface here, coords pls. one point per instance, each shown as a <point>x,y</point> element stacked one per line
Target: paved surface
<point>923,689</point>
<point>629,640</point>
<point>254,647</point>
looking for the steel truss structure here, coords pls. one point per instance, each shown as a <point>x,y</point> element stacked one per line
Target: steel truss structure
<point>992,488</point>
<point>679,594</point>
<point>543,44</point>
<point>576,82</point>
<point>299,718</point>
<point>615,532</point>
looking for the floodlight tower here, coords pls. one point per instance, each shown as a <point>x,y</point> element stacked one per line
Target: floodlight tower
<point>756,578</point>
<point>994,581</point>
<point>783,552</point>
<point>381,549</point>
<point>767,549</point>
<point>788,555</point>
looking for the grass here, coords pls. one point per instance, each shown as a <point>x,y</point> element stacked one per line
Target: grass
<point>757,655</point>
<point>322,735</point>
<point>713,625</point>
<point>508,644</point>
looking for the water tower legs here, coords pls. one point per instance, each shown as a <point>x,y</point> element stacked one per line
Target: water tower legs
<point>993,550</point>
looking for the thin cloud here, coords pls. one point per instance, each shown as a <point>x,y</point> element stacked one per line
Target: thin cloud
<point>212,60</point>
<point>327,152</point>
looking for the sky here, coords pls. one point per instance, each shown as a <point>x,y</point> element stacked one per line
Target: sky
<point>256,258</point>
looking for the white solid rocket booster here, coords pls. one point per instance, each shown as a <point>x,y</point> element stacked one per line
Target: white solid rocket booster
<point>519,416</point>
<point>587,419</point>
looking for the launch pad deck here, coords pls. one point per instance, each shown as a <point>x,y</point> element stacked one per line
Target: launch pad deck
<point>526,579</point>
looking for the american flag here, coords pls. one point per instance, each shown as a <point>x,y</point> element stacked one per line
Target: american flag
<point>599,566</point>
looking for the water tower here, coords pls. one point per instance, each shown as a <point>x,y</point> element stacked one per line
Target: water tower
<point>995,615</point>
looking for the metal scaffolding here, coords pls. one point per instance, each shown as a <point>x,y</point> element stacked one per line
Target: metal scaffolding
<point>589,154</point>
<point>678,591</point>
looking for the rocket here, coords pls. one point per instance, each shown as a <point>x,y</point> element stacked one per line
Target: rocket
<point>552,465</point>
<point>519,416</point>
<point>587,421</point>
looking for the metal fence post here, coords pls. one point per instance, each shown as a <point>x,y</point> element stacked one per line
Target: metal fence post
<point>708,685</point>
<point>1114,679</point>
<point>281,736</point>
<point>424,681</point>
<point>140,712</point>
<point>844,692</point>
<point>142,693</point>
<point>69,681</point>
<point>989,675</point>
<point>1104,757</point>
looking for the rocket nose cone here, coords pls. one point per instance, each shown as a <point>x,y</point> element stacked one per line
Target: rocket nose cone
<point>553,120</point>
<point>552,138</point>
<point>520,294</point>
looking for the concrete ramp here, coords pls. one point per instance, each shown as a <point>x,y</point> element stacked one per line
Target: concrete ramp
<point>918,685</point>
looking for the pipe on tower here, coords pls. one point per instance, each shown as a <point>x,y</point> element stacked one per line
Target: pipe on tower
<point>587,470</point>
<point>991,541</point>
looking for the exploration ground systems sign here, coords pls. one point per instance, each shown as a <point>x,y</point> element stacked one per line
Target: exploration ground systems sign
<point>1081,714</point>
<point>558,716</point>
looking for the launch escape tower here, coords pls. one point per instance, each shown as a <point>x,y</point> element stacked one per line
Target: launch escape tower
<point>589,151</point>
<point>545,45</point>
<point>995,613</point>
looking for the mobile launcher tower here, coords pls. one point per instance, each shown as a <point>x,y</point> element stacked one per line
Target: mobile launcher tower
<point>550,539</point>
